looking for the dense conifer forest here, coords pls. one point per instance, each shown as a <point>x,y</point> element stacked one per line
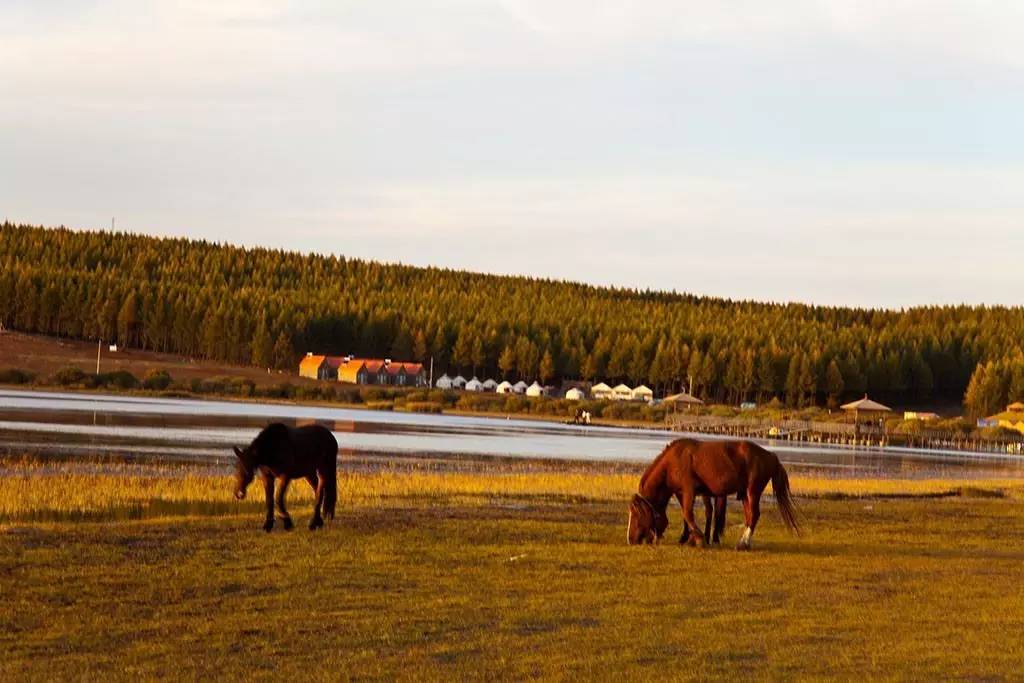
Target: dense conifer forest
<point>268,307</point>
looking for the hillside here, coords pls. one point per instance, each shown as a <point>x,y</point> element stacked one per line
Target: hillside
<point>43,356</point>
<point>265,308</point>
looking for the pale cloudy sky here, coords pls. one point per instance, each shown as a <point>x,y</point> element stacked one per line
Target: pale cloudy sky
<point>867,153</point>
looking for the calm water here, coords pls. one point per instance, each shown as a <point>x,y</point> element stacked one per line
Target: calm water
<point>88,425</point>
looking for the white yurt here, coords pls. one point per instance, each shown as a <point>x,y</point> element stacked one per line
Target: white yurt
<point>443,382</point>
<point>504,388</point>
<point>643,393</point>
<point>519,387</point>
<point>459,382</point>
<point>622,393</point>
<point>574,394</point>
<point>535,390</point>
<point>490,385</point>
<point>601,391</point>
<point>474,385</point>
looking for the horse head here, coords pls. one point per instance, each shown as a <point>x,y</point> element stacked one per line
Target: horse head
<point>245,471</point>
<point>646,523</point>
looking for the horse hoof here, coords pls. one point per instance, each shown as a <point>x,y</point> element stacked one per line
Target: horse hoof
<point>742,547</point>
<point>288,525</point>
<point>316,524</point>
<point>268,525</point>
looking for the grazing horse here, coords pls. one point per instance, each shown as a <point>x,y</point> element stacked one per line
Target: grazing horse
<point>661,518</point>
<point>688,468</point>
<point>283,453</point>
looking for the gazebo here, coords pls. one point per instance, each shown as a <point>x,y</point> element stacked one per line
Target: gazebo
<point>864,405</point>
<point>683,399</point>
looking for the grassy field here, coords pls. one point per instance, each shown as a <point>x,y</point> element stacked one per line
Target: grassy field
<point>153,571</point>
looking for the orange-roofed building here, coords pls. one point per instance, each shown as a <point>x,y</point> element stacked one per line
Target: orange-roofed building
<point>317,366</point>
<point>313,366</point>
<point>384,372</point>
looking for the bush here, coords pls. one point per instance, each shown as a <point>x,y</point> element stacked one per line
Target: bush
<point>423,407</point>
<point>67,377</point>
<point>15,376</point>
<point>156,380</point>
<point>380,405</point>
<point>120,379</point>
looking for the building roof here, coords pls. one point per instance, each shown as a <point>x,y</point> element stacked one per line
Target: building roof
<point>348,372</point>
<point>600,386</point>
<point>684,398</point>
<point>866,405</point>
<point>643,389</point>
<point>620,388</point>
<point>311,363</point>
<point>1015,407</point>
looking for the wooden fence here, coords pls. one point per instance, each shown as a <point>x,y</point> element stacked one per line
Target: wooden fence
<point>841,433</point>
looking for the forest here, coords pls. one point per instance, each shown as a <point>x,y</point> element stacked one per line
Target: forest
<point>267,307</point>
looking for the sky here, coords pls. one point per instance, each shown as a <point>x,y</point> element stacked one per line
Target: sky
<point>841,153</point>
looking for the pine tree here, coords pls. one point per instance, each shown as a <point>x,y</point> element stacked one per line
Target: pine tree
<point>834,384</point>
<point>547,368</point>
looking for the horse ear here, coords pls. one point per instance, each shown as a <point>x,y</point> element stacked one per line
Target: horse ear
<point>238,451</point>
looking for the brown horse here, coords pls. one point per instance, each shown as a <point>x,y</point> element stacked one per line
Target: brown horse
<point>283,453</point>
<point>717,512</point>
<point>688,468</point>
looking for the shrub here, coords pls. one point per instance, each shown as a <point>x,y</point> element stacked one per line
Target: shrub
<point>67,377</point>
<point>15,376</point>
<point>121,379</point>
<point>423,407</point>
<point>156,380</point>
<point>380,405</point>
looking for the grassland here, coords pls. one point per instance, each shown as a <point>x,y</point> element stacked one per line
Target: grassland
<point>497,575</point>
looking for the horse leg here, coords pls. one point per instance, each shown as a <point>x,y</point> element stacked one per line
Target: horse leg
<point>752,511</point>
<point>720,504</point>
<point>318,521</point>
<point>708,513</point>
<point>268,489</point>
<point>688,500</point>
<point>685,536</point>
<point>282,489</point>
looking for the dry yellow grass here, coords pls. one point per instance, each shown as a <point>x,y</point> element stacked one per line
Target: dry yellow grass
<point>35,489</point>
<point>431,576</point>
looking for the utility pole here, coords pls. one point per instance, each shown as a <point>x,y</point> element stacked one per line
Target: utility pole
<point>431,372</point>
<point>99,345</point>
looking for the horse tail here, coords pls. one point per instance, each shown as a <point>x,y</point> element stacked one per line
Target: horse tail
<point>780,485</point>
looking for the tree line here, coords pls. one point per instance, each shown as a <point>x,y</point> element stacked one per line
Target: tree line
<point>268,307</point>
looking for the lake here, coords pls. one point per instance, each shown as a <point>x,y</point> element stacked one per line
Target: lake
<point>73,425</point>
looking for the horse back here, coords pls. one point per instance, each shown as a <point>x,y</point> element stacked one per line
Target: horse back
<point>297,450</point>
<point>314,442</point>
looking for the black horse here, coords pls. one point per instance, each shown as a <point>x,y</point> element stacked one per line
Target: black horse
<point>284,453</point>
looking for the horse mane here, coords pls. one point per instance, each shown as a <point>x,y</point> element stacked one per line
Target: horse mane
<point>264,448</point>
<point>661,456</point>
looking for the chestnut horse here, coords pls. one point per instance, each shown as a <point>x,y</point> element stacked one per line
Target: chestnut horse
<point>688,468</point>
<point>283,453</point>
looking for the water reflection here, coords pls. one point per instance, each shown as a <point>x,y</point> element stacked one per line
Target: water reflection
<point>88,425</point>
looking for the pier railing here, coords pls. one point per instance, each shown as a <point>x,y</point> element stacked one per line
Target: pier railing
<point>842,433</point>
